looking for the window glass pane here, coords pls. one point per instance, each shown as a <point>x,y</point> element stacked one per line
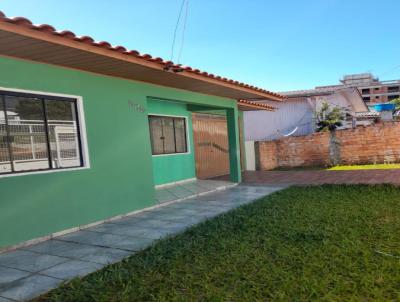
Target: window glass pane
<point>5,164</point>
<point>27,133</point>
<point>63,133</point>
<point>157,143</point>
<point>168,131</point>
<point>180,135</point>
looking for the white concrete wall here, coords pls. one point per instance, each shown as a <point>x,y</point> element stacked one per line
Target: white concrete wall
<point>333,100</point>
<point>265,125</point>
<point>250,156</point>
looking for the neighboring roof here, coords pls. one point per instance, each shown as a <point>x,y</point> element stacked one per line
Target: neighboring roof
<point>20,38</point>
<point>354,98</point>
<point>368,114</point>
<point>245,105</point>
<point>312,92</point>
<point>351,94</point>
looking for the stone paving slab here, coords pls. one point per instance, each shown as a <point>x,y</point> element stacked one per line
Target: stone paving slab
<point>8,275</point>
<point>189,189</point>
<point>165,196</point>
<point>71,269</point>
<point>29,261</point>
<point>31,271</point>
<point>180,191</point>
<point>30,287</point>
<point>146,222</point>
<point>107,240</point>
<point>134,232</point>
<point>72,250</point>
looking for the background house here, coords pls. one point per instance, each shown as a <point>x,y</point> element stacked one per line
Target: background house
<point>356,92</point>
<point>296,116</point>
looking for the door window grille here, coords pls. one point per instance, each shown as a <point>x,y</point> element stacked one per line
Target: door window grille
<point>168,134</point>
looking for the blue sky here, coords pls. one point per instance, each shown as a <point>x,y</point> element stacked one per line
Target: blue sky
<point>277,45</point>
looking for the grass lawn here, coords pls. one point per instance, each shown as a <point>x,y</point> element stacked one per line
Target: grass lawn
<point>328,243</point>
<point>366,167</point>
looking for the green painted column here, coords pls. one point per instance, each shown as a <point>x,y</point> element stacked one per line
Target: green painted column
<point>232,117</point>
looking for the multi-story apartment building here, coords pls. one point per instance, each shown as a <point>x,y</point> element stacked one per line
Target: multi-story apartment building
<point>372,90</point>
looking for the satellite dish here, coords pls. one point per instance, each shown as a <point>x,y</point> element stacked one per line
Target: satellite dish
<point>291,132</point>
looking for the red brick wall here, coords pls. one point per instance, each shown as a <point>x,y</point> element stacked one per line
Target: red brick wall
<point>379,143</point>
<point>375,144</point>
<point>266,155</point>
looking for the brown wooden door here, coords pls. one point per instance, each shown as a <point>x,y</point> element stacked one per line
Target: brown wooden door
<point>210,134</point>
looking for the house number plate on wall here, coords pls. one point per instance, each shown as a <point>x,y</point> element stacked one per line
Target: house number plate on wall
<point>136,107</point>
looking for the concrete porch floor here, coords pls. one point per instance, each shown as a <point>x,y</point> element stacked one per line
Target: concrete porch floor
<point>31,271</point>
<point>176,192</point>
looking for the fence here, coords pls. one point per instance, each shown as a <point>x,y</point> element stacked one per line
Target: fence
<point>27,142</point>
<point>379,143</point>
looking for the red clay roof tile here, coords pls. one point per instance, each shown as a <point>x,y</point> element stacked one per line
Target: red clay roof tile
<point>85,39</point>
<point>45,28</point>
<point>20,21</point>
<point>120,49</point>
<point>257,105</point>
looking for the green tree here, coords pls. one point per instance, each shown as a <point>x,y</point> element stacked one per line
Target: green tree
<point>329,118</point>
<point>33,110</point>
<point>396,102</point>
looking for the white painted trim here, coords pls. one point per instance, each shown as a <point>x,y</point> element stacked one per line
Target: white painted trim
<point>189,151</point>
<point>43,172</point>
<point>82,134</point>
<point>82,227</point>
<point>250,155</point>
<point>176,183</point>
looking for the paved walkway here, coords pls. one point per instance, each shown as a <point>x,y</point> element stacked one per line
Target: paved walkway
<point>322,177</point>
<point>188,189</point>
<point>29,272</point>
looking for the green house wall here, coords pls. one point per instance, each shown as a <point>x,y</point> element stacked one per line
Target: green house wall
<point>122,171</point>
<point>178,167</point>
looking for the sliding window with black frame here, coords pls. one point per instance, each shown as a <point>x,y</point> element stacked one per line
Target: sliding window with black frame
<point>38,133</point>
<point>168,134</point>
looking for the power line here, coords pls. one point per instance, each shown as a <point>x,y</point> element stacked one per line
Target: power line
<point>183,31</point>
<point>176,29</point>
<point>389,71</point>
